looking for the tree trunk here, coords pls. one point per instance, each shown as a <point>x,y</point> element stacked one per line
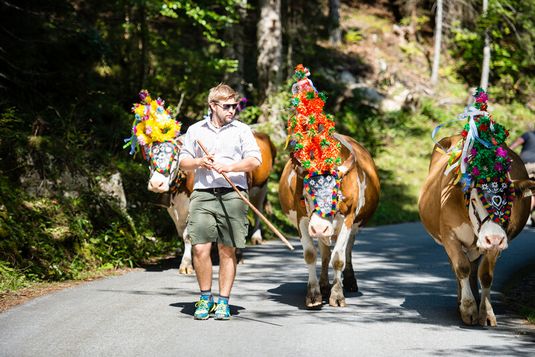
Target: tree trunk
<point>269,46</point>
<point>335,32</point>
<point>235,39</point>
<point>143,44</point>
<point>438,43</point>
<point>486,53</point>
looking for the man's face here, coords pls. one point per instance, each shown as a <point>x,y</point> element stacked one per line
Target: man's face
<point>224,111</point>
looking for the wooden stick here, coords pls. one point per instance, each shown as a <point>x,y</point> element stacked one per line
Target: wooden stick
<point>255,210</point>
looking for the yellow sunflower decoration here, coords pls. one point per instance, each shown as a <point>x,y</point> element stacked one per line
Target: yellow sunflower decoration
<point>152,123</point>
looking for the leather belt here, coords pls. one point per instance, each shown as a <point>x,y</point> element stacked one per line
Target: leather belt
<point>219,190</point>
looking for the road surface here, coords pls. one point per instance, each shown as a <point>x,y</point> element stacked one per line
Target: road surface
<point>406,306</point>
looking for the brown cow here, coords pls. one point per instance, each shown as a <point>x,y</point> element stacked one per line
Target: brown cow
<point>359,190</point>
<point>165,177</point>
<point>467,233</point>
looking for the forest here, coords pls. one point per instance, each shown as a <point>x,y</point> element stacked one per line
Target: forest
<point>70,71</point>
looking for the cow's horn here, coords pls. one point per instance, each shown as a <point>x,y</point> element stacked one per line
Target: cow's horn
<point>350,161</point>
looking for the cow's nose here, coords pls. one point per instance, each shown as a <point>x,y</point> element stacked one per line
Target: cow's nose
<point>495,242</point>
<point>156,185</point>
<point>319,230</point>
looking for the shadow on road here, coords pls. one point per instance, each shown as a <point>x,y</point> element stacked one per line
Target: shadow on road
<point>188,308</point>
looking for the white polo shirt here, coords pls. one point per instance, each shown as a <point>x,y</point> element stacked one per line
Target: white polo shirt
<point>229,144</point>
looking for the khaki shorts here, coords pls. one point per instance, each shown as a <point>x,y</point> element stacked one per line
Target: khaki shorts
<point>220,218</point>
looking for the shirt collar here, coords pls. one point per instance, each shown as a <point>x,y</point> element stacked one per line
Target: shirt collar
<point>208,123</point>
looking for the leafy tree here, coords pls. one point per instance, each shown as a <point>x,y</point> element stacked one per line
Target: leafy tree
<point>510,27</point>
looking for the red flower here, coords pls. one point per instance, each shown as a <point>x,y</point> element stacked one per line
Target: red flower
<point>464,133</point>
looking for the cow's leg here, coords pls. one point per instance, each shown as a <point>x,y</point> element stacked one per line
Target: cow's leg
<point>461,267</point>
<point>186,264</point>
<point>258,197</point>
<point>485,274</point>
<point>179,212</point>
<point>473,278</point>
<point>313,298</point>
<point>338,261</point>
<point>350,281</point>
<point>325,252</point>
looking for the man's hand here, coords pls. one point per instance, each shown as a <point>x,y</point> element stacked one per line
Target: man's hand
<point>207,161</point>
<point>220,168</point>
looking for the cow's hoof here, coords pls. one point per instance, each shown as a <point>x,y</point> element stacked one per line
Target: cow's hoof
<point>313,303</point>
<point>314,298</point>
<point>337,301</point>
<point>256,241</point>
<point>186,270</point>
<point>468,310</point>
<point>487,318</point>
<point>350,284</point>
<point>337,298</point>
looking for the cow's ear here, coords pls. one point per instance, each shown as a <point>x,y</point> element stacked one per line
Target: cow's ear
<point>524,188</point>
<point>349,163</point>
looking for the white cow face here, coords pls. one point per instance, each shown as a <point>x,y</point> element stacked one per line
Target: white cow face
<point>163,166</point>
<point>321,197</point>
<point>489,211</point>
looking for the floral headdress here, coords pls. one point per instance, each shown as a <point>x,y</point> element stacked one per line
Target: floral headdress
<point>481,161</point>
<point>152,123</point>
<point>310,132</point>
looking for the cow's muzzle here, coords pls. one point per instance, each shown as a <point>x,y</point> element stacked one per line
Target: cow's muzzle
<point>492,242</point>
<point>158,183</point>
<point>320,227</point>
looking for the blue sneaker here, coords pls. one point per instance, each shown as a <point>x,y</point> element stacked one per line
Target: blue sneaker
<point>203,309</point>
<point>222,312</point>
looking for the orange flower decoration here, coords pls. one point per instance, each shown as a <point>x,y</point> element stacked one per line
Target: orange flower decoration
<point>309,128</point>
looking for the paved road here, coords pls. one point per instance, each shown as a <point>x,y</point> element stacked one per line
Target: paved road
<point>406,306</point>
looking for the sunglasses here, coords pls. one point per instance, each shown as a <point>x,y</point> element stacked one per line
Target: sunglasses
<point>227,107</point>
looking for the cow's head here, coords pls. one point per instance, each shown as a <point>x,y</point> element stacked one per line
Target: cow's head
<point>163,159</point>
<point>321,192</point>
<point>489,208</point>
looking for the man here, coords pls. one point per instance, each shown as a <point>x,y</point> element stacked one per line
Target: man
<point>216,212</point>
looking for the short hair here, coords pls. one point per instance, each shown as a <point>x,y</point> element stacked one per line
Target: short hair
<point>222,92</point>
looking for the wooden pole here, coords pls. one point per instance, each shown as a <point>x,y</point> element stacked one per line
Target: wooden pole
<point>255,210</point>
